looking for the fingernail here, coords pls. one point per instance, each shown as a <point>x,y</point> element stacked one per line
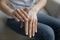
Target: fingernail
<point>30,36</point>
<point>26,33</point>
<point>18,20</point>
<point>36,31</point>
<point>33,35</point>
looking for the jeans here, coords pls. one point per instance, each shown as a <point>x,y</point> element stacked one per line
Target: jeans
<point>47,28</point>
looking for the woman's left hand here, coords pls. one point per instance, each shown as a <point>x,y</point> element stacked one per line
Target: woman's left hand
<point>32,24</point>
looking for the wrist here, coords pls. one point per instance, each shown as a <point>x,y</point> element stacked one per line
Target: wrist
<point>10,12</point>
<point>33,11</point>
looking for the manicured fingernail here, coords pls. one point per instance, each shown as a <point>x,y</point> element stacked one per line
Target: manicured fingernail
<point>33,35</point>
<point>30,36</point>
<point>26,33</point>
<point>36,31</point>
<point>18,20</point>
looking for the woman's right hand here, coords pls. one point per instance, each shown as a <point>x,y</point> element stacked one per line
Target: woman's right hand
<point>19,15</point>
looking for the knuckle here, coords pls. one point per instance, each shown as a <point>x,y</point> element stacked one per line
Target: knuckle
<point>33,27</point>
<point>13,13</point>
<point>17,19</point>
<point>17,9</point>
<point>23,20</point>
<point>30,19</point>
<point>26,19</point>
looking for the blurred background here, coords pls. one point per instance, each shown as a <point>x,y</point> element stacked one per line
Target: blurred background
<point>52,8</point>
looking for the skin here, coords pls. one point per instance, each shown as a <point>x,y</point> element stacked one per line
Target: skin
<point>29,21</point>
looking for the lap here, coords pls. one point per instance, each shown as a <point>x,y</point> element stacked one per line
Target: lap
<point>43,30</point>
<point>54,23</point>
<point>48,20</point>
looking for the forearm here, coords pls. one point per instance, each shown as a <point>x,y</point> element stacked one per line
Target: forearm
<point>5,8</point>
<point>38,6</point>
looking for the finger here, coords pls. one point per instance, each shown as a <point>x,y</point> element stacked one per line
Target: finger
<point>25,9</point>
<point>36,25</point>
<point>33,28</point>
<point>15,18</point>
<point>22,15</point>
<point>26,27</point>
<point>19,16</point>
<point>30,28</point>
<point>22,24</point>
<point>25,13</point>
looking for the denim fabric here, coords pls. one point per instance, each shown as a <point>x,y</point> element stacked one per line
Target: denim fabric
<point>54,23</point>
<point>48,27</point>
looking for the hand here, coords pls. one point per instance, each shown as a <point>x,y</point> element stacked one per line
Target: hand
<point>32,25</point>
<point>23,23</point>
<point>19,14</point>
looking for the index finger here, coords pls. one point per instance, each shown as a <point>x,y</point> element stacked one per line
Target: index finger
<point>25,13</point>
<point>36,25</point>
<point>26,27</point>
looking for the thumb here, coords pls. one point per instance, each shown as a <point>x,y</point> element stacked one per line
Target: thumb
<point>25,9</point>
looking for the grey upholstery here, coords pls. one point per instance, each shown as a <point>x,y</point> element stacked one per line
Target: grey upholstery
<point>53,7</point>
